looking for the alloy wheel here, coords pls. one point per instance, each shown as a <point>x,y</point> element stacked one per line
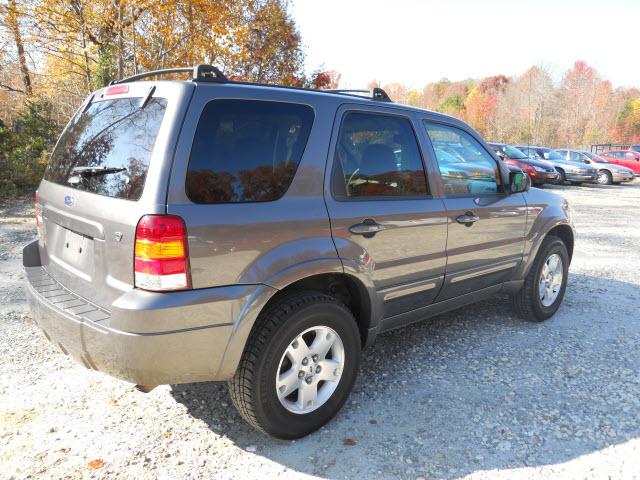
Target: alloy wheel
<point>603,178</point>
<point>310,370</point>
<point>550,281</point>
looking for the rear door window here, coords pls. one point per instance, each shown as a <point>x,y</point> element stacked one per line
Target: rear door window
<point>107,148</point>
<point>246,151</point>
<point>378,156</point>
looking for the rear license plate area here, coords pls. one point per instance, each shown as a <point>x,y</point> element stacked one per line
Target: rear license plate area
<point>72,251</point>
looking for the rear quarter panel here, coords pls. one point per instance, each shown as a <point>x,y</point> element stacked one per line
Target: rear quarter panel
<point>260,242</point>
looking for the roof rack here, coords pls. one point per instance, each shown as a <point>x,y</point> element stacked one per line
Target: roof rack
<point>199,73</point>
<point>209,73</point>
<point>375,93</point>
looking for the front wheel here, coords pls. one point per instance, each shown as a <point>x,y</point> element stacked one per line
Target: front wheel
<point>299,365</point>
<point>604,177</point>
<point>545,284</point>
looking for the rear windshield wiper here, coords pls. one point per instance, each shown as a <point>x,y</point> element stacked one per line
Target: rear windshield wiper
<point>78,173</point>
<point>95,171</point>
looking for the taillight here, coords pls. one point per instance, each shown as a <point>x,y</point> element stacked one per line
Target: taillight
<point>528,169</point>
<point>161,258</point>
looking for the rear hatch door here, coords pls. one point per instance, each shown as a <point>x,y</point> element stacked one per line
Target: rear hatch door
<point>110,167</point>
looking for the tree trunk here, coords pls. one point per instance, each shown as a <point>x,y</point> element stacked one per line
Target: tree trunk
<point>14,26</point>
<point>120,43</point>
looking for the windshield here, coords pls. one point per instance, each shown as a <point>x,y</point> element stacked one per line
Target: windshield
<point>635,148</point>
<point>595,158</point>
<point>106,149</point>
<point>552,155</point>
<point>513,152</point>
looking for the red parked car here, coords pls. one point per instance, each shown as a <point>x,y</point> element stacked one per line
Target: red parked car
<point>539,171</point>
<point>626,158</point>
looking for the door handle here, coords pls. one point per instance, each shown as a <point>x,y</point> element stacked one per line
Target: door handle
<point>368,228</point>
<point>468,219</point>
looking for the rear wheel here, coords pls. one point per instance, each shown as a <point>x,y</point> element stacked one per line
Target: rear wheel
<point>545,284</point>
<point>299,365</point>
<point>604,177</point>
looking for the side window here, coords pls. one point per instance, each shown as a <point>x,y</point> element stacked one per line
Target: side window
<point>465,166</point>
<point>575,156</point>
<point>246,151</point>
<point>377,156</point>
<point>630,155</point>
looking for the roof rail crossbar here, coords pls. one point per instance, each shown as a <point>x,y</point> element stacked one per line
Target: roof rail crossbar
<point>201,73</point>
<point>375,93</point>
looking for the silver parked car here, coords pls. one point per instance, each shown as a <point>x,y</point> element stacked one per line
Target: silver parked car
<point>210,229</point>
<point>574,172</point>
<point>608,173</point>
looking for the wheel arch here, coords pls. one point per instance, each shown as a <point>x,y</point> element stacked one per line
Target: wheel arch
<point>565,233</point>
<point>349,289</point>
<point>561,229</point>
<point>346,288</point>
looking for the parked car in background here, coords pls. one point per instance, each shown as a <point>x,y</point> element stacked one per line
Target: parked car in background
<point>625,158</point>
<point>605,147</point>
<point>608,173</point>
<point>573,172</point>
<point>540,171</point>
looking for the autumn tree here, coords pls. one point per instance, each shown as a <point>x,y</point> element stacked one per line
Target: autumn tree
<point>325,79</point>
<point>11,19</point>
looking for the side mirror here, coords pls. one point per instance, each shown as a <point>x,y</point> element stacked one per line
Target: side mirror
<point>519,182</point>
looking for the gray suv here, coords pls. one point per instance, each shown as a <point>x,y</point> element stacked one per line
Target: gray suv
<point>211,229</point>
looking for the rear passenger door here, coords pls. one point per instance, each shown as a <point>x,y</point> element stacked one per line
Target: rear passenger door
<point>387,226</point>
<point>486,225</point>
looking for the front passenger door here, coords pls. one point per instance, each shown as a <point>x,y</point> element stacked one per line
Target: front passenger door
<point>486,225</point>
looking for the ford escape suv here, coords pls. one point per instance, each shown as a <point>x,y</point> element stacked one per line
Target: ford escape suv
<point>216,230</point>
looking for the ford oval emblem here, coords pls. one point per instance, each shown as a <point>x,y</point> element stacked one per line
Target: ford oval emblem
<point>68,200</point>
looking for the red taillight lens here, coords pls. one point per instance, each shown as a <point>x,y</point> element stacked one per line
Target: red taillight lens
<point>528,169</point>
<point>161,260</point>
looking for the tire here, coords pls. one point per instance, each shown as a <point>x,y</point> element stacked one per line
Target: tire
<point>253,389</point>
<point>562,178</point>
<point>527,303</point>
<point>605,177</point>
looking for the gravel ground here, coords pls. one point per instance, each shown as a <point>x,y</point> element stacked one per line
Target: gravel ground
<point>475,393</point>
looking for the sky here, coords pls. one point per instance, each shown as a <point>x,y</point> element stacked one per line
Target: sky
<point>417,42</point>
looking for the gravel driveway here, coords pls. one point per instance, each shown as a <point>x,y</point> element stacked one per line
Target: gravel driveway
<point>475,393</point>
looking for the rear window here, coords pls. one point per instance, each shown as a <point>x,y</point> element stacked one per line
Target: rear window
<point>246,151</point>
<point>106,149</point>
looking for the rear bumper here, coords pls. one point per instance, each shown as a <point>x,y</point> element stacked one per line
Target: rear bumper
<point>145,337</point>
